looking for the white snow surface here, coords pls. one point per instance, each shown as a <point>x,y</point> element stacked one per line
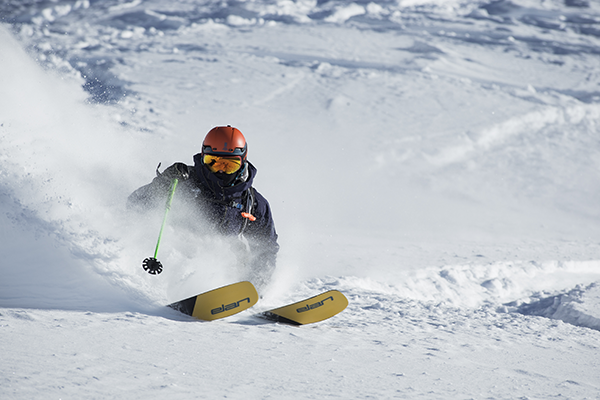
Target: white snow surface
<point>438,162</point>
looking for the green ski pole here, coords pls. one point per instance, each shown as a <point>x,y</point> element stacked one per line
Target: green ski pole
<point>151,264</point>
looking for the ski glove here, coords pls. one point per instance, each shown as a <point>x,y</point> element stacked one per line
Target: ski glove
<point>176,171</point>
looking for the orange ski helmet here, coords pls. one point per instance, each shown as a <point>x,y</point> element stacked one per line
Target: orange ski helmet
<point>225,141</point>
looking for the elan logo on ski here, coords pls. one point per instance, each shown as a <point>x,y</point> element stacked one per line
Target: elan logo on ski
<point>228,307</point>
<point>313,306</point>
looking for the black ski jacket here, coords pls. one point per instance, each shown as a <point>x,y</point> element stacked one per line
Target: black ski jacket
<point>218,207</point>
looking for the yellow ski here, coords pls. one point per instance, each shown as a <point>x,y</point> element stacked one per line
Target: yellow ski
<point>308,311</point>
<point>219,303</point>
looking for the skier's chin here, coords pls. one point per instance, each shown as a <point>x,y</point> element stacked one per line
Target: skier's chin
<point>225,179</point>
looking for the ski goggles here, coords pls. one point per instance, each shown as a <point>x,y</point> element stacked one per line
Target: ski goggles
<point>226,164</point>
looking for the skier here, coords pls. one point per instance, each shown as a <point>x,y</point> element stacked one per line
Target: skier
<point>219,190</point>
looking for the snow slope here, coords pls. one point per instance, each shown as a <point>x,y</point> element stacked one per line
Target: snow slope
<point>436,161</point>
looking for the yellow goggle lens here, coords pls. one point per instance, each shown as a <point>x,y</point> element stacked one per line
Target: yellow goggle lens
<point>226,164</point>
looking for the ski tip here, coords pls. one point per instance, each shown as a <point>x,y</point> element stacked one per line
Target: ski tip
<point>313,309</point>
<point>219,303</point>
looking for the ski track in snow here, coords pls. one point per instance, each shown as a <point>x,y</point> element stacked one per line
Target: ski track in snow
<point>457,210</point>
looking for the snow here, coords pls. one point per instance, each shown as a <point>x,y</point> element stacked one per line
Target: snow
<point>438,162</point>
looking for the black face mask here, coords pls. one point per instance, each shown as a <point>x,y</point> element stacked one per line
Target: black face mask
<point>227,179</point>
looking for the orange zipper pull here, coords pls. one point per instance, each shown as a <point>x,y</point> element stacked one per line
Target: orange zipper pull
<point>249,216</point>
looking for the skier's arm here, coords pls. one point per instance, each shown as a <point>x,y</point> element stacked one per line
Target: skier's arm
<point>262,239</point>
<point>155,193</point>
<point>262,231</point>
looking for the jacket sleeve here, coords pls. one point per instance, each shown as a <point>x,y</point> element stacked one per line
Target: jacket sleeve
<point>155,193</point>
<point>262,231</point>
<point>262,239</point>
